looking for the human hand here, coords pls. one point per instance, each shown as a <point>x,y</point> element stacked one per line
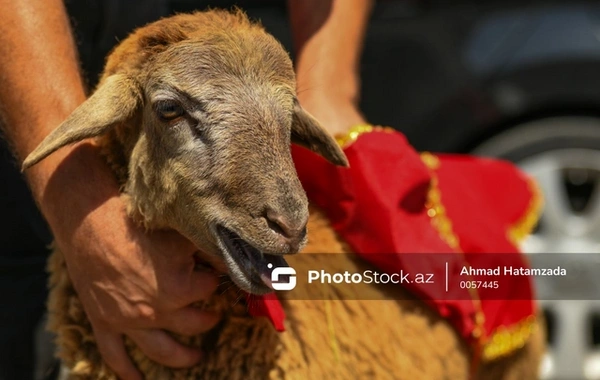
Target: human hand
<point>131,283</point>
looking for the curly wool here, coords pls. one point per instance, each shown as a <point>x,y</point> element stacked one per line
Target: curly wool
<point>325,337</point>
<point>331,339</point>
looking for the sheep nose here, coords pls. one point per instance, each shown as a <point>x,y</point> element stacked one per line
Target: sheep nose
<point>293,229</point>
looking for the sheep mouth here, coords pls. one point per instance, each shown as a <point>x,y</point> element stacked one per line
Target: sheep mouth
<point>254,266</point>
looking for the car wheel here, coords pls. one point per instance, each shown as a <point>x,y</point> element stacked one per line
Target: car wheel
<point>563,155</point>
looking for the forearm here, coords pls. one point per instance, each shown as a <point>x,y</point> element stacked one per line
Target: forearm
<point>40,81</point>
<point>328,38</point>
<point>40,85</point>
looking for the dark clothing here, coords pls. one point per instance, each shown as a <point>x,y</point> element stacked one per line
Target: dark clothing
<point>24,236</point>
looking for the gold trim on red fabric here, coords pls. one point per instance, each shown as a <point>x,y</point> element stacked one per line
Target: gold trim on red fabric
<point>525,225</point>
<point>345,140</point>
<point>430,160</point>
<point>437,212</point>
<point>442,223</point>
<point>507,339</point>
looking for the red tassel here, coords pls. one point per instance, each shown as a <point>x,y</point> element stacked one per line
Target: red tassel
<point>267,305</point>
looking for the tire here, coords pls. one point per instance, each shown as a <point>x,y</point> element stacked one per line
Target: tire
<point>557,151</point>
<point>534,137</point>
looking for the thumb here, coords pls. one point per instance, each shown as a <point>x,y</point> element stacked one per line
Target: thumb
<point>112,350</point>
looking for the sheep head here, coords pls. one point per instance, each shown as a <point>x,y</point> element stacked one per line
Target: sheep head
<point>203,108</point>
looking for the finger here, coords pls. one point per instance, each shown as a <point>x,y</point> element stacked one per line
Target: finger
<point>191,321</point>
<point>113,352</point>
<point>188,288</point>
<point>162,348</point>
<point>203,285</point>
<point>174,247</point>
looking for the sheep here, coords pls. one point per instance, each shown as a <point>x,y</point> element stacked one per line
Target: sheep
<point>195,114</point>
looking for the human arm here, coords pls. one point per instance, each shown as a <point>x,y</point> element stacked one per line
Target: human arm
<point>328,39</point>
<point>131,283</point>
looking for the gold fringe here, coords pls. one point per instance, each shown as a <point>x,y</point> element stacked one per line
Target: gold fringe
<point>435,209</point>
<point>505,340</point>
<point>442,223</point>
<point>430,160</point>
<point>437,212</point>
<point>345,140</point>
<point>523,228</point>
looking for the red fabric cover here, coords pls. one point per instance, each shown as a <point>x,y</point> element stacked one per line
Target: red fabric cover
<point>267,306</point>
<point>378,206</point>
<point>492,196</point>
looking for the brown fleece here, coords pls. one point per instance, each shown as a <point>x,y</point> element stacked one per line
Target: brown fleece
<point>325,338</point>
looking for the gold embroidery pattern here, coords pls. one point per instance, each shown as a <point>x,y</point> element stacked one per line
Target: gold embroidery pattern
<point>437,212</point>
<point>505,340</point>
<point>430,160</point>
<point>345,140</point>
<point>523,228</point>
<point>442,223</point>
<point>435,209</point>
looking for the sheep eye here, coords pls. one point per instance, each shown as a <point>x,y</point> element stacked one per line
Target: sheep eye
<point>168,110</point>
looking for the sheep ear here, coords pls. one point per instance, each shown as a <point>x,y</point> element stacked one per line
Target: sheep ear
<point>307,132</point>
<point>114,101</point>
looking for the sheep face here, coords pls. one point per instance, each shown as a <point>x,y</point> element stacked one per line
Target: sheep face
<point>205,125</point>
<point>213,160</point>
